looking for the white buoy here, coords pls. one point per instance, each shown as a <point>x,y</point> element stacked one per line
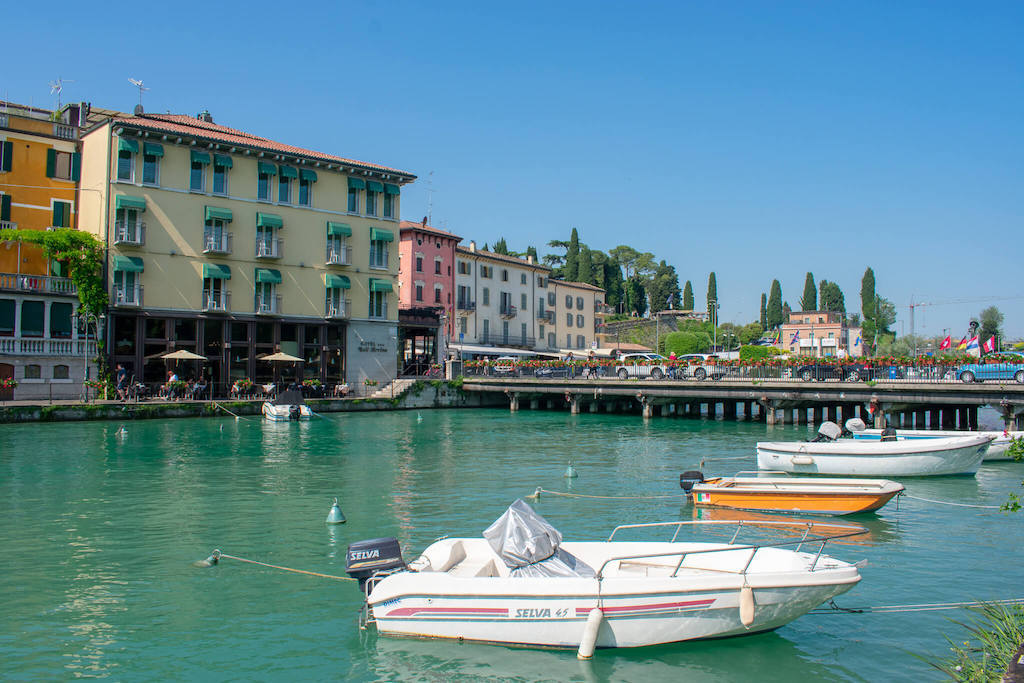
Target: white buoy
<point>590,629</point>
<point>746,606</point>
<point>335,516</point>
<point>570,472</point>
<point>122,432</point>
<point>419,418</point>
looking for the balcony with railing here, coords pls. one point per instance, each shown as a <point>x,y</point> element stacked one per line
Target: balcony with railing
<point>465,307</point>
<point>601,308</point>
<point>127,296</point>
<point>507,311</point>
<point>38,284</point>
<point>339,256</point>
<point>268,305</point>
<point>217,244</point>
<point>546,317</point>
<point>8,225</point>
<point>216,300</point>
<point>270,247</point>
<point>130,233</point>
<point>338,309</point>
<point>35,346</point>
<point>512,340</point>
<point>65,132</point>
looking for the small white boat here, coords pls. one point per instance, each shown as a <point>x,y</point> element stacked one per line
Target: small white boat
<point>887,457</point>
<point>289,405</point>
<point>522,585</point>
<point>997,450</point>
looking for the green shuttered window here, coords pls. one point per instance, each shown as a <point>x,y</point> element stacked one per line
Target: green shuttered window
<point>216,271</point>
<point>338,282</point>
<point>356,184</point>
<point>5,207</point>
<point>268,275</point>
<point>268,220</point>
<point>220,214</point>
<point>267,168</point>
<point>379,235</point>
<point>200,157</point>
<point>6,152</point>
<point>128,264</point>
<point>61,215</point>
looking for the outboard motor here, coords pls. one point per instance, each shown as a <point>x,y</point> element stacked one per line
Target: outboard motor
<point>293,412</point>
<point>689,478</point>
<point>365,559</point>
<point>828,431</point>
<point>889,434</point>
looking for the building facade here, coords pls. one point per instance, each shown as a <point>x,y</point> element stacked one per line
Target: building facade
<point>234,246</point>
<point>821,334</point>
<point>40,347</point>
<point>513,303</point>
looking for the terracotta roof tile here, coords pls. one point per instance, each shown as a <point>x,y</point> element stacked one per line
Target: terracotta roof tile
<point>187,125</point>
<point>502,257</point>
<point>413,225</point>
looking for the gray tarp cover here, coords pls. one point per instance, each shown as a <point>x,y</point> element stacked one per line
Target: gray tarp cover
<point>528,545</point>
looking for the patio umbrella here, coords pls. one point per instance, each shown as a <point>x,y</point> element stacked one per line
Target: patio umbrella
<point>282,357</point>
<point>182,354</point>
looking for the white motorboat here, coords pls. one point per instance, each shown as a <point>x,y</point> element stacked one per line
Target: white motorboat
<point>520,584</point>
<point>289,405</point>
<point>890,456</point>
<point>997,450</point>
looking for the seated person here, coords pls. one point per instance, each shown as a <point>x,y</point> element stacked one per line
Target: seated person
<point>341,390</point>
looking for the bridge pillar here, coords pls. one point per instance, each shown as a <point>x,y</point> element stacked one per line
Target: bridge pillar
<point>817,415</point>
<point>574,403</point>
<point>948,418</point>
<point>748,407</point>
<point>729,410</point>
<point>549,404</point>
<point>934,419</point>
<point>534,404</point>
<point>830,413</point>
<point>919,419</point>
<point>801,415</point>
<point>1012,416</point>
<point>513,403</point>
<point>593,406</point>
<point>972,418</point>
<point>962,422</point>
<point>787,416</point>
<point>666,409</point>
<point>768,411</point>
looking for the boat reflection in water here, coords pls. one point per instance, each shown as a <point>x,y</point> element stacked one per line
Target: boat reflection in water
<point>878,530</point>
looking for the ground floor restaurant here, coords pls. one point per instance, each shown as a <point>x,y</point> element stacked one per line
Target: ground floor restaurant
<point>233,348</point>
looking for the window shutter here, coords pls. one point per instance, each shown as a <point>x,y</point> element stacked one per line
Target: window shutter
<point>5,207</point>
<point>8,152</point>
<point>51,163</point>
<point>58,212</point>
<point>76,166</point>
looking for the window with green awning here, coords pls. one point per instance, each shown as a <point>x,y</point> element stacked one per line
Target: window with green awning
<point>287,171</point>
<point>128,264</point>
<point>338,282</point>
<point>216,271</point>
<point>374,186</point>
<point>125,145</point>
<point>153,149</point>
<point>223,160</point>
<point>356,184</point>
<point>380,285</point>
<point>339,229</point>
<point>392,189</point>
<point>268,220</point>
<point>200,157</point>
<point>123,201</point>
<point>220,214</point>
<point>268,275</point>
<point>307,175</point>
<point>380,235</point>
<point>267,168</point>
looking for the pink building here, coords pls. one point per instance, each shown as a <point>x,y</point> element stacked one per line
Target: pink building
<point>426,268</point>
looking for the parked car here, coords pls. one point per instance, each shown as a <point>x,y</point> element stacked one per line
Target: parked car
<point>640,365</point>
<point>504,365</point>
<point>850,372</point>
<point>979,372</point>
<point>699,366</point>
<point>551,372</point>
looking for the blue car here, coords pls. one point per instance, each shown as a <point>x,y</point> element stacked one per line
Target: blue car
<point>979,372</point>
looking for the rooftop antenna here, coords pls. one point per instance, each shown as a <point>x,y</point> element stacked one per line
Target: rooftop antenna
<point>56,87</point>
<point>138,84</point>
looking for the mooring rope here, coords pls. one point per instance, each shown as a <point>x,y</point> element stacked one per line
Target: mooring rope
<point>237,417</point>
<point>218,555</point>
<point>946,502</point>
<point>833,608</point>
<point>536,494</point>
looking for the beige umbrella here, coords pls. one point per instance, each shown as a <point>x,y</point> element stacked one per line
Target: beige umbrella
<point>283,357</point>
<point>182,354</point>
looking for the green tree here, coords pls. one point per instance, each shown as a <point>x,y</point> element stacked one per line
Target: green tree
<point>867,295</point>
<point>532,251</point>
<point>501,247</point>
<point>626,257</point>
<point>571,269</point>
<point>688,296</point>
<point>764,311</point>
<point>885,315</point>
<point>809,301</point>
<point>613,284</point>
<point>585,266</point>
<point>636,296</point>
<point>663,289</point>
<point>486,248</point>
<point>712,298</point>
<point>831,297</point>
<point>786,310</point>
<point>991,320</point>
<point>687,342</point>
<point>774,312</point>
<point>750,333</point>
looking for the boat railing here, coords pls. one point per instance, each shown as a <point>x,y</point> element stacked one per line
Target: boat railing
<point>845,531</point>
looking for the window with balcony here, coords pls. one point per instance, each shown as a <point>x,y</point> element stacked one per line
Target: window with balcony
<point>216,238</point>
<point>7,316</point>
<point>127,226</point>
<point>268,244</point>
<point>379,240</point>
<point>61,214</point>
<point>337,306</point>
<point>126,288</point>
<point>5,209</point>
<point>266,297</point>
<point>215,294</point>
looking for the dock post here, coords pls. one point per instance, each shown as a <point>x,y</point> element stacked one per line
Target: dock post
<point>648,411</point>
<point>513,403</point>
<point>574,403</point>
<point>768,411</point>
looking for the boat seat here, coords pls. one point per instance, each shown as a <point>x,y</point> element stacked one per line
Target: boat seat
<point>440,559</point>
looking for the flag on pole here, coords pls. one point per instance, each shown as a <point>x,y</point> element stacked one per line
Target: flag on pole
<point>946,343</point>
<point>962,345</point>
<point>972,347</point>
<point>990,345</point>
<point>796,337</point>
<point>857,343</point>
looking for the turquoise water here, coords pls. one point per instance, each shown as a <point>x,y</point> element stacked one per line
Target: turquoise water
<point>99,533</point>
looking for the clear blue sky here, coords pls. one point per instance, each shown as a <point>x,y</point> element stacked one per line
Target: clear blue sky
<point>755,139</point>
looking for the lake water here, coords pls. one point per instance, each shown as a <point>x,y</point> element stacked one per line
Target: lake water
<point>99,532</point>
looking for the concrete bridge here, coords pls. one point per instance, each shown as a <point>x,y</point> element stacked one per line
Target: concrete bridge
<point>907,404</point>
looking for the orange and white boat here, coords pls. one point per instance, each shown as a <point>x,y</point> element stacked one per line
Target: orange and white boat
<point>811,495</point>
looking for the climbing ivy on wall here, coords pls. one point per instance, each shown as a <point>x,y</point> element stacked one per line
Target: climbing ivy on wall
<point>80,251</point>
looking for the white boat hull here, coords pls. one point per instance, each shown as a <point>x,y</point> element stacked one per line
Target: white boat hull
<point>638,609</point>
<point>283,413</point>
<point>863,458</point>
<point>997,450</point>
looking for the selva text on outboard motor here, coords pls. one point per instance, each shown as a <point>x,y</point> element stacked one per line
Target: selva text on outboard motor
<point>374,556</point>
<point>689,478</point>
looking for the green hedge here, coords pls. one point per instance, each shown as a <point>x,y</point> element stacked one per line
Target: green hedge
<point>686,342</point>
<point>756,353</point>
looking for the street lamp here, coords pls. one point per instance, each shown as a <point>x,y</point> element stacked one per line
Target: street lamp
<point>81,319</point>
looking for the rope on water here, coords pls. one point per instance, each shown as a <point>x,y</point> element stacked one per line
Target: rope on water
<point>946,502</point>
<point>536,495</point>
<point>833,608</point>
<point>218,555</point>
<point>237,417</point>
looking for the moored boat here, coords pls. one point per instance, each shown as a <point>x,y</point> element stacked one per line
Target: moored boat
<point>997,450</point>
<point>289,405</point>
<point>811,495</point>
<point>520,584</point>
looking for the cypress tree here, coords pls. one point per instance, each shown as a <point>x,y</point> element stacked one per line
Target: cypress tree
<point>613,294</point>
<point>809,301</point>
<point>570,271</point>
<point>774,316</point>
<point>585,267</point>
<point>688,296</point>
<point>867,295</point>
<point>764,311</point>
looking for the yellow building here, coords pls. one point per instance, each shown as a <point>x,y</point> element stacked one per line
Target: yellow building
<point>235,246</point>
<point>39,169</point>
